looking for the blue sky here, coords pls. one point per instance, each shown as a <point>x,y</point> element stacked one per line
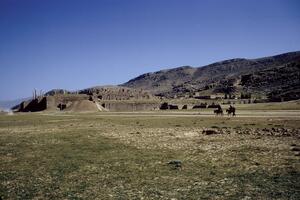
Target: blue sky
<point>73,44</point>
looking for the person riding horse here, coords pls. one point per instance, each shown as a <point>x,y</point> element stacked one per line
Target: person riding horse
<point>231,110</point>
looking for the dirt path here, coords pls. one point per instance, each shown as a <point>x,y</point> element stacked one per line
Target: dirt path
<point>252,113</point>
<point>204,114</point>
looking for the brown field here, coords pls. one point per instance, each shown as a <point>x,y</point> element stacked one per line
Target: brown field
<point>111,155</point>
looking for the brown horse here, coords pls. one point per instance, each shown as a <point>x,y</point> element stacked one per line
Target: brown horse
<point>218,112</point>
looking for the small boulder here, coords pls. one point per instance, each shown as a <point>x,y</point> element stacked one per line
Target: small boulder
<point>210,132</point>
<point>295,148</point>
<point>297,153</point>
<point>175,164</point>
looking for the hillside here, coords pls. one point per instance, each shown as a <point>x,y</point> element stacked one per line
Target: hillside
<point>220,77</point>
<point>276,78</point>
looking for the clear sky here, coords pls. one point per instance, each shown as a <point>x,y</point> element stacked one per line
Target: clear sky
<point>74,44</point>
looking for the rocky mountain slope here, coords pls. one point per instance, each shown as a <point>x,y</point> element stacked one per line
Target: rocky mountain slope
<point>282,82</point>
<point>226,77</point>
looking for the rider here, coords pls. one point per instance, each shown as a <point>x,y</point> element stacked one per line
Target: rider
<point>232,109</point>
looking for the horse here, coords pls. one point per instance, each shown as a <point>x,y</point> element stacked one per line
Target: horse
<point>218,112</point>
<point>231,111</point>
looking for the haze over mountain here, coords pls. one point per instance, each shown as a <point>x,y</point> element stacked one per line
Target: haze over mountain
<point>7,105</point>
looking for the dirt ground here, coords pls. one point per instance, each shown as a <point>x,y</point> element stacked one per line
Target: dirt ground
<point>111,155</point>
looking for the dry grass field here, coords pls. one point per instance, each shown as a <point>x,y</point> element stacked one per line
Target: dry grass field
<point>255,155</point>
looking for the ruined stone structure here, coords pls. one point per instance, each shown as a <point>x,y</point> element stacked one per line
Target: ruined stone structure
<point>116,93</point>
<point>104,99</point>
<point>130,106</point>
<point>37,104</point>
<point>92,99</point>
<point>50,103</point>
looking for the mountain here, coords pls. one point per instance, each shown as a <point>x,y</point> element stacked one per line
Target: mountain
<point>228,77</point>
<point>275,78</point>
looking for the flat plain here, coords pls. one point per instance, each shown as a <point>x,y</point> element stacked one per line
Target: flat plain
<point>113,155</point>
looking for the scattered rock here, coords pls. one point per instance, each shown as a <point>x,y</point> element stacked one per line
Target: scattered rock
<point>295,149</point>
<point>175,164</point>
<point>276,132</point>
<point>135,133</point>
<point>210,132</point>
<point>297,153</point>
<point>246,198</point>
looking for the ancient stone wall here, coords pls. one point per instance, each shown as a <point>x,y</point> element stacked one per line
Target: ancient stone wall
<point>129,106</point>
<point>35,105</point>
<point>116,93</point>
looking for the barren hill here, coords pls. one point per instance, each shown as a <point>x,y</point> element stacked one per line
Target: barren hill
<point>220,77</point>
<point>275,78</point>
